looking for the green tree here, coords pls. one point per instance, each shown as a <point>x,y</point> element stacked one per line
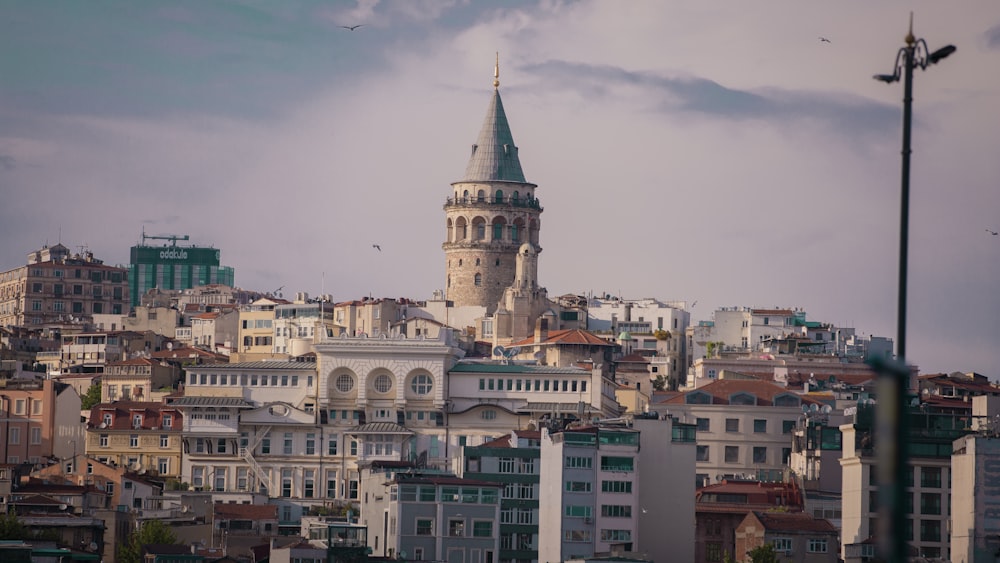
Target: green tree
<point>12,529</point>
<point>152,531</point>
<point>660,383</point>
<point>91,397</point>
<point>763,554</point>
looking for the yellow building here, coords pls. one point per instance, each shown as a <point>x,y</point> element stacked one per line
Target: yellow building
<point>256,340</point>
<point>141,436</point>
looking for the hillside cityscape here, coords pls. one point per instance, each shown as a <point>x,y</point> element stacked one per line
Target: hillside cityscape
<point>157,411</point>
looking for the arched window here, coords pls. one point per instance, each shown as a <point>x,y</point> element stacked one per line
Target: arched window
<point>515,198</point>
<point>497,231</point>
<point>514,235</point>
<point>481,196</point>
<point>465,195</point>
<point>422,384</point>
<point>477,261</point>
<point>479,280</point>
<point>498,198</point>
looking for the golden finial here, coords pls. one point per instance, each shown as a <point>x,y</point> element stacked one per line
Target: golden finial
<point>496,72</point>
<point>910,39</point>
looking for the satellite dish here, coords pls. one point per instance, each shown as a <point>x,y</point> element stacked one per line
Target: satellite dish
<point>93,546</point>
<point>827,409</point>
<point>513,351</point>
<point>805,408</point>
<point>499,351</point>
<point>103,425</point>
<point>814,407</point>
<point>62,507</point>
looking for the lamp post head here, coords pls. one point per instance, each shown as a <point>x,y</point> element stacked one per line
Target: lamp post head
<point>887,78</point>
<point>941,53</point>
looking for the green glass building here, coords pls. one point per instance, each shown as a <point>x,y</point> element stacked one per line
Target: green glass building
<point>175,267</point>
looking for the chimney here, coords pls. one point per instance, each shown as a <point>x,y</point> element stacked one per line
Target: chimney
<point>541,329</point>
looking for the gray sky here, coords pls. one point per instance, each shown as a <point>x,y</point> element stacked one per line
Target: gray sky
<point>710,152</point>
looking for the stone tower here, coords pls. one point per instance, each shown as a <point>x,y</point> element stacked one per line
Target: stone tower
<point>492,211</point>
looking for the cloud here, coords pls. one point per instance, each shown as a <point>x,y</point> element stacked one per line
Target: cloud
<point>848,114</point>
<point>993,37</point>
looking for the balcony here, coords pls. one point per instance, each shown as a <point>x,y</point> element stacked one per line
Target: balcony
<point>202,426</point>
<point>507,201</point>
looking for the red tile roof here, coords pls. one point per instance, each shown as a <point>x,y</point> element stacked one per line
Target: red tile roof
<point>571,336</point>
<point>722,389</point>
<point>246,511</point>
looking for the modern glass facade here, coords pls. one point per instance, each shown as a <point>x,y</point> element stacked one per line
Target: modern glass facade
<point>175,267</point>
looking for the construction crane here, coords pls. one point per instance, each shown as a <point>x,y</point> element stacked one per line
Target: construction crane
<point>172,238</point>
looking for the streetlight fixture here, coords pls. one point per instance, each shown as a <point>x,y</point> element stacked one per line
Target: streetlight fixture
<point>893,407</point>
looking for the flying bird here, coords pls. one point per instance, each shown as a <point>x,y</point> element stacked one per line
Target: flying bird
<point>824,40</point>
<point>352,27</point>
<point>992,232</point>
<point>377,247</point>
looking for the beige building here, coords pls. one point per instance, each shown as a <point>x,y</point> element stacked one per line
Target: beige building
<point>256,334</point>
<point>796,537</point>
<point>57,286</point>
<point>40,420</point>
<point>216,329</point>
<point>161,320</point>
<point>140,436</point>
<point>138,379</point>
<point>744,427</point>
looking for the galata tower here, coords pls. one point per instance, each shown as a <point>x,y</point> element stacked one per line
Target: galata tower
<point>492,211</point>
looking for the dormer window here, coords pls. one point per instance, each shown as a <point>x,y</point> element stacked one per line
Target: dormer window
<point>136,420</point>
<point>167,421</point>
<point>106,419</point>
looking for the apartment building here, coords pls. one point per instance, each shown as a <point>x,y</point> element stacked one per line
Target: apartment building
<point>927,479</point>
<point>721,507</point>
<point>137,379</point>
<point>296,324</point>
<point>433,516</point>
<point>513,462</point>
<point>256,332</point>
<point>57,286</point>
<point>40,420</point>
<point>140,436</point>
<point>744,427</point>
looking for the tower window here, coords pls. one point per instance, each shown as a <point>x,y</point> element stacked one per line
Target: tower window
<point>499,197</point>
<point>498,261</point>
<point>459,261</point>
<point>481,196</point>
<point>477,261</point>
<point>479,280</point>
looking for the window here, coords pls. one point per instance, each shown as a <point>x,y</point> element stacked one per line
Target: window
<point>425,527</point>
<point>616,486</point>
<point>930,477</point>
<point>579,462</point>
<point>162,465</point>
<point>782,544</point>
<point>930,503</point>
<point>456,528</point>
<point>817,545</point>
<point>616,463</point>
<point>309,483</point>
<point>759,425</point>
<point>787,426</point>
<point>732,454</point>
<point>759,454</point>
<point>482,529</point>
<point>478,280</point>
<point>104,440</point>
<point>578,511</point>
<point>383,383</point>
<point>265,445</point>
<point>421,384</point>
<point>578,486</point>
<point>732,425</point>
<point>310,444</point>
<point>287,444</point>
<point>19,406</point>
<point>331,446</point>
<point>489,414</point>
<point>702,453</point>
<point>345,383</point>
<point>616,511</point>
<point>133,441</point>
<point>164,441</point>
<point>704,425</point>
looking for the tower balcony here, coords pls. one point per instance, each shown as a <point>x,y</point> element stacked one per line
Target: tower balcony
<point>507,201</point>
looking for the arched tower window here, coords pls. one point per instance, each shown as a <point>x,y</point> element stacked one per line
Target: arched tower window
<point>460,229</point>
<point>479,228</point>
<point>498,198</point>
<point>479,280</point>
<point>516,230</point>
<point>451,231</point>
<point>498,224</point>
<point>477,261</point>
<point>465,196</point>
<point>514,198</point>
<point>481,196</point>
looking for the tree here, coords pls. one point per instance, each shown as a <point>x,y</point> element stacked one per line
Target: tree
<point>152,531</point>
<point>91,397</point>
<point>660,383</point>
<point>12,529</point>
<point>763,554</point>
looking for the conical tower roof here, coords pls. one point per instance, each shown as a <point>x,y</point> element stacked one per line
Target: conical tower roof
<point>494,156</point>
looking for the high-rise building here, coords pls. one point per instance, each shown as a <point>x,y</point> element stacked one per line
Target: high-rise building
<point>174,267</point>
<point>492,211</point>
<point>57,286</point>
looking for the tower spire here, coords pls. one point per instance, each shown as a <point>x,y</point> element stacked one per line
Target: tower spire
<point>496,72</point>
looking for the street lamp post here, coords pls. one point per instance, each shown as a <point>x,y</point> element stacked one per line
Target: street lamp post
<point>891,417</point>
